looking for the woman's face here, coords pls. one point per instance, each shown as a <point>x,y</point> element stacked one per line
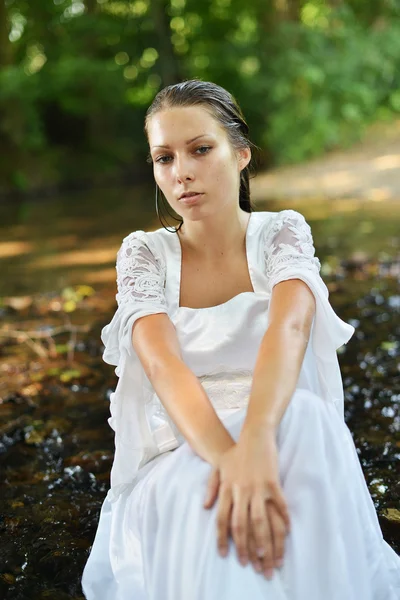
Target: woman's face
<point>191,153</point>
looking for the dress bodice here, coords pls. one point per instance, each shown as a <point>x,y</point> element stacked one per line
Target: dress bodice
<point>224,337</point>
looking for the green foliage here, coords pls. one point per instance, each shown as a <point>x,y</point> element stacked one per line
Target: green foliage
<point>330,84</point>
<point>77,78</point>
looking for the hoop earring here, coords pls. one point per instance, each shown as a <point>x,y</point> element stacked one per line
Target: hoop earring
<point>174,230</point>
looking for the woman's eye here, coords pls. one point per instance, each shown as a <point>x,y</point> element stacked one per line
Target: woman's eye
<point>204,148</point>
<point>165,158</point>
<point>160,159</point>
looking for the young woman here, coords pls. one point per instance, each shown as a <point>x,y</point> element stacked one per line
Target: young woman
<point>235,475</point>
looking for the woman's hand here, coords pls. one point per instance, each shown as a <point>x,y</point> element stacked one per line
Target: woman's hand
<point>251,503</point>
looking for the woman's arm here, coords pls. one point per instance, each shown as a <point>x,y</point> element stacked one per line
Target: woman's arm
<point>156,343</point>
<point>280,356</point>
<point>249,472</point>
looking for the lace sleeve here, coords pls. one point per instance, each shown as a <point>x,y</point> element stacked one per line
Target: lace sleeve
<point>141,273</point>
<point>289,248</point>
<point>289,254</point>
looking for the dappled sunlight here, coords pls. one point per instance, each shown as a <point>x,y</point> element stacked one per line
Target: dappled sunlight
<point>379,194</point>
<point>65,248</point>
<point>341,181</point>
<point>390,161</point>
<point>101,276</point>
<point>349,205</point>
<point>85,256</point>
<point>8,249</point>
<point>70,240</point>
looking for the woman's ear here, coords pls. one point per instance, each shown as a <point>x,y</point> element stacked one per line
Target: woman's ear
<point>244,157</point>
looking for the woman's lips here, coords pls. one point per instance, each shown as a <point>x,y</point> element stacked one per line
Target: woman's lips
<point>191,199</point>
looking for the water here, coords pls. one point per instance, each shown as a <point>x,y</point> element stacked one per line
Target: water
<point>56,447</point>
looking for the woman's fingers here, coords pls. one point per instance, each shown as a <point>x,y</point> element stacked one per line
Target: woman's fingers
<point>278,533</point>
<point>240,526</point>
<point>270,543</point>
<point>223,520</point>
<point>257,527</point>
<point>261,530</point>
<point>255,560</point>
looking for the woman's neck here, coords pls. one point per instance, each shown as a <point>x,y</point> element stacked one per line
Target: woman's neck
<point>215,236</point>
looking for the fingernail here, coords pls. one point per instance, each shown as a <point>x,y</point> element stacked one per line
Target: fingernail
<point>243,560</point>
<point>268,573</point>
<point>279,563</point>
<point>258,567</point>
<point>223,551</point>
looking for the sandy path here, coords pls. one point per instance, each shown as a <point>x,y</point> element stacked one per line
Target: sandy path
<point>369,170</point>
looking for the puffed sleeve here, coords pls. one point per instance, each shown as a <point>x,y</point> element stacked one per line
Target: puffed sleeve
<point>290,254</point>
<point>141,275</point>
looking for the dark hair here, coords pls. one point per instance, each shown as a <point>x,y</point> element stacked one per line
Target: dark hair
<point>223,107</point>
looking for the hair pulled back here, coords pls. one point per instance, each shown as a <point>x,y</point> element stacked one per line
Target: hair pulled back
<point>223,107</point>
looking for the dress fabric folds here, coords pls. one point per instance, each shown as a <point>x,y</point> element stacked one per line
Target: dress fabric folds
<point>154,540</point>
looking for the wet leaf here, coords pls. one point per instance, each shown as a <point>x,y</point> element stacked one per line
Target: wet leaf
<point>68,293</point>
<point>8,578</point>
<point>62,348</point>
<point>392,514</point>
<point>54,370</point>
<point>69,306</point>
<point>37,377</point>
<point>13,523</point>
<point>389,345</point>
<point>71,374</point>
<point>84,291</point>
<point>34,437</point>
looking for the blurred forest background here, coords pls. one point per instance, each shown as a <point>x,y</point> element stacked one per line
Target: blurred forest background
<point>76,77</point>
<point>319,84</point>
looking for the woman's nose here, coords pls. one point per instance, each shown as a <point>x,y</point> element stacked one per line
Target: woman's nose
<point>183,170</point>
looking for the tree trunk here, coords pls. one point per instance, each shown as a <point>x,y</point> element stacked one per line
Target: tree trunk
<point>169,67</point>
<point>91,6</point>
<point>11,117</point>
<point>288,10</point>
<point>294,9</point>
<point>5,44</point>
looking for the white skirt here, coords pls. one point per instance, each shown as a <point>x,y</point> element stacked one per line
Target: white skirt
<point>157,542</point>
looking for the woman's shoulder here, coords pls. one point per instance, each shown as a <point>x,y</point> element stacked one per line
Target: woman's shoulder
<point>280,217</point>
<point>271,223</point>
<point>158,242</point>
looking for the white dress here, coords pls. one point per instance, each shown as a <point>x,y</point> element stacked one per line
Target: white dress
<point>155,541</point>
